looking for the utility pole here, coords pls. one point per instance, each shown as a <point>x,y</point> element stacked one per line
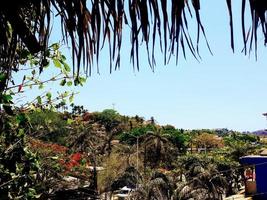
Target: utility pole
<point>113,106</point>
<point>265,115</point>
<point>137,161</point>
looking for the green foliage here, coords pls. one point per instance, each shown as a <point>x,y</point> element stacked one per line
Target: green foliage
<point>178,137</point>
<point>48,125</point>
<point>130,136</point>
<point>61,75</point>
<point>109,118</point>
<point>18,165</point>
<point>163,148</point>
<point>239,137</point>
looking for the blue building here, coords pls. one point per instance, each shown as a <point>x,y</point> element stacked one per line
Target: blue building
<point>255,176</point>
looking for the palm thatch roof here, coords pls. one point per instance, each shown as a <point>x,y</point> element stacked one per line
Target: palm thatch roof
<point>88,25</point>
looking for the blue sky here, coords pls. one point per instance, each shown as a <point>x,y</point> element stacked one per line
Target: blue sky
<point>225,90</point>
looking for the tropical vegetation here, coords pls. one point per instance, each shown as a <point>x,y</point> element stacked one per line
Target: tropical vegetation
<point>43,144</point>
<point>157,162</point>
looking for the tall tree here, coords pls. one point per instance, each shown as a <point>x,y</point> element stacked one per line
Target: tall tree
<point>156,149</point>
<point>202,181</point>
<point>158,187</point>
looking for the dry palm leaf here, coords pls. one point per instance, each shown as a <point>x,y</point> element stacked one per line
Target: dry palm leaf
<point>89,25</point>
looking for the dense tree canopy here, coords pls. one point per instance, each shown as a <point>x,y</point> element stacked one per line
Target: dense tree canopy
<point>88,25</point>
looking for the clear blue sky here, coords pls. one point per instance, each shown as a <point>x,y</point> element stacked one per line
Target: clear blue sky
<point>225,90</point>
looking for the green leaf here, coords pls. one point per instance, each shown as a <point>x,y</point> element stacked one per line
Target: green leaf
<point>2,77</point>
<point>79,81</point>
<point>63,57</point>
<point>76,81</point>
<point>57,63</point>
<point>29,78</point>
<point>71,98</point>
<point>30,57</point>
<point>66,67</point>
<point>49,95</point>
<point>63,82</point>
<point>21,132</point>
<point>39,100</point>
<point>7,98</point>
<point>33,72</point>
<point>69,83</point>
<point>65,94</point>
<point>35,62</point>
<point>41,86</point>
<point>21,118</point>
<point>82,79</point>
<point>70,121</point>
<point>55,46</point>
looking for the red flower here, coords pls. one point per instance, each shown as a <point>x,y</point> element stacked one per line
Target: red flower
<point>76,157</point>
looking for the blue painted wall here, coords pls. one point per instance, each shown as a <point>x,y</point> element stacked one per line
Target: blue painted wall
<point>260,163</point>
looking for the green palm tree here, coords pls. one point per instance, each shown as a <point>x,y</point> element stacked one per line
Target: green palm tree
<point>202,181</point>
<point>129,178</point>
<point>156,147</point>
<point>158,187</point>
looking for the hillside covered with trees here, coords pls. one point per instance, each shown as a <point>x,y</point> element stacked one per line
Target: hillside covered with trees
<point>83,154</point>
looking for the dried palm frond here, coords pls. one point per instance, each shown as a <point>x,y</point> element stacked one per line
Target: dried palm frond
<point>88,26</point>
<point>258,10</point>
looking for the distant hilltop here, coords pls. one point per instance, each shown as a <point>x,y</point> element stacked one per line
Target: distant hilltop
<point>260,132</point>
